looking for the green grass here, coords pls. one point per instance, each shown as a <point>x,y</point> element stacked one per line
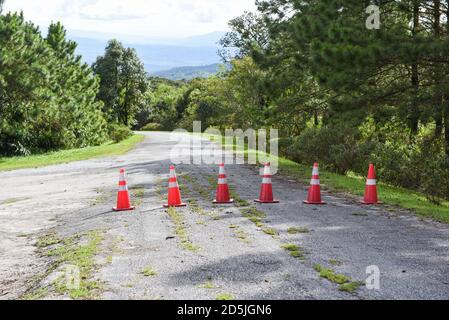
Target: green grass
<point>73,252</point>
<point>208,285</point>
<point>180,230</point>
<point>345,283</point>
<point>355,185</point>
<point>48,240</point>
<point>335,262</point>
<point>64,156</point>
<point>13,200</point>
<point>297,230</point>
<point>36,295</point>
<point>270,231</point>
<point>138,193</point>
<point>294,250</point>
<point>149,272</point>
<point>255,216</point>
<point>350,287</point>
<point>224,297</point>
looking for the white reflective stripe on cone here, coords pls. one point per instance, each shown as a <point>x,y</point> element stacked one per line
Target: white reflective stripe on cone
<point>222,170</point>
<point>122,177</point>
<point>315,172</point>
<point>371,182</point>
<point>315,182</point>
<point>266,181</point>
<point>222,181</point>
<point>267,171</point>
<point>172,185</point>
<point>172,174</point>
<point>123,188</point>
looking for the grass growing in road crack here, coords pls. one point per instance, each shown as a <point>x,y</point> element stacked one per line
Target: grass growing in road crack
<point>78,251</point>
<point>180,230</point>
<point>48,240</point>
<point>294,250</point>
<point>330,275</point>
<point>138,193</point>
<point>254,215</point>
<point>241,235</point>
<point>149,272</point>
<point>350,287</point>
<point>224,297</point>
<point>64,156</point>
<point>208,285</point>
<point>202,191</point>
<point>335,262</point>
<point>270,231</point>
<point>297,230</point>
<point>13,200</point>
<point>346,283</point>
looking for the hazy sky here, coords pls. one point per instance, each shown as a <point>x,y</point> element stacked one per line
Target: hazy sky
<point>150,18</point>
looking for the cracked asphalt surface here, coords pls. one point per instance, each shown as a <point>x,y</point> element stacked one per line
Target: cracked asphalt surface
<point>233,256</point>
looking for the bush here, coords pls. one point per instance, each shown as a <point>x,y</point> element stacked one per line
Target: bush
<point>152,127</point>
<point>119,133</point>
<point>335,148</point>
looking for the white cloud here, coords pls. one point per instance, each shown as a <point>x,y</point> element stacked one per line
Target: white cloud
<point>149,18</point>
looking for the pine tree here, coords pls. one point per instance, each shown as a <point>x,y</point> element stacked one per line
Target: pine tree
<point>123,82</point>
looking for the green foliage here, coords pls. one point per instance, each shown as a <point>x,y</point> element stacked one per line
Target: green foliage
<point>152,127</point>
<point>47,96</point>
<point>123,83</point>
<point>119,132</point>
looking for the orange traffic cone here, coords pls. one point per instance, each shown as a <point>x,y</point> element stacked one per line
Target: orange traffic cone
<point>174,194</point>
<point>371,187</point>
<point>266,192</point>
<point>223,196</point>
<point>314,196</point>
<point>123,200</point>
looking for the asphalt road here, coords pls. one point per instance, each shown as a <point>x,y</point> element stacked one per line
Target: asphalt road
<point>232,256</point>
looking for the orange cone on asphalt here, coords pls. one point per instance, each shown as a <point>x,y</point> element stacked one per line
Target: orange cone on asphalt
<point>223,196</point>
<point>174,194</point>
<point>371,187</point>
<point>123,200</point>
<point>266,192</point>
<point>314,196</point>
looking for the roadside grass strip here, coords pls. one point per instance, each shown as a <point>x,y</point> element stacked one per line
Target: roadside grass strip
<point>66,156</point>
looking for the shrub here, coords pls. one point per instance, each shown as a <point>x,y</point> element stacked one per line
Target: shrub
<point>152,127</point>
<point>335,148</point>
<point>118,133</point>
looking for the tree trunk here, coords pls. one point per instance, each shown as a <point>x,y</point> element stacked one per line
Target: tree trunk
<point>414,110</point>
<point>446,101</point>
<point>438,95</point>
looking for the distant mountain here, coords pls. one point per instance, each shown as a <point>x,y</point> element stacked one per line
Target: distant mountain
<point>157,55</point>
<point>189,73</point>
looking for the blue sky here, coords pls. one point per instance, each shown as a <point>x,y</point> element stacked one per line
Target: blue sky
<point>139,18</point>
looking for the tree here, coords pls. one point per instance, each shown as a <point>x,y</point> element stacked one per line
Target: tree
<point>248,30</point>
<point>123,83</point>
<point>47,97</point>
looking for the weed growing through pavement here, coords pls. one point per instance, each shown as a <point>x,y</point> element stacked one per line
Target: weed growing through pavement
<point>180,230</point>
<point>149,272</point>
<point>346,283</point>
<point>138,193</point>
<point>224,297</point>
<point>78,251</point>
<point>294,250</point>
<point>294,230</point>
